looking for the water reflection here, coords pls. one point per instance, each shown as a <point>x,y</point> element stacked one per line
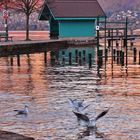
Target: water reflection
<point>46,87</point>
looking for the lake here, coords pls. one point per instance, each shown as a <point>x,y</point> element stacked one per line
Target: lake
<point>46,87</point>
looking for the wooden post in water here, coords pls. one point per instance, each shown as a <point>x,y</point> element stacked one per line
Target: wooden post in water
<point>114,54</point>
<point>90,60</point>
<point>126,38</point>
<point>80,58</point>
<point>106,54</point>
<point>135,54</point>
<point>84,56</point>
<point>63,57</point>
<point>122,58</point>
<point>45,57</point>
<point>139,57</point>
<point>118,56</point>
<point>18,59</point>
<point>105,35</point>
<point>70,58</point>
<point>11,60</point>
<point>131,42</point>
<point>98,37</point>
<point>117,33</point>
<point>109,43</point>
<point>100,62</point>
<point>112,48</point>
<point>76,56</point>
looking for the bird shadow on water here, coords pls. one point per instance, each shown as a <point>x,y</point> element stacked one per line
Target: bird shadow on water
<point>87,133</point>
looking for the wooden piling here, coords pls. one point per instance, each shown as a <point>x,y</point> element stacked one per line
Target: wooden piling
<point>139,57</point>
<point>90,60</point>
<point>114,54</point>
<point>18,59</point>
<point>45,57</point>
<point>122,58</point>
<point>11,60</point>
<point>98,38</point>
<point>126,40</point>
<point>84,55</point>
<point>135,55</point>
<point>76,56</point>
<point>106,54</point>
<point>100,61</point>
<point>109,43</point>
<point>70,58</point>
<point>63,57</point>
<point>80,58</point>
<point>118,56</point>
<point>117,44</point>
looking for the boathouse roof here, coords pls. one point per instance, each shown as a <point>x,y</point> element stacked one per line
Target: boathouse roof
<point>72,9</point>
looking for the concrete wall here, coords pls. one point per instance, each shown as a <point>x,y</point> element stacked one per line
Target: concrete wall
<point>76,28</point>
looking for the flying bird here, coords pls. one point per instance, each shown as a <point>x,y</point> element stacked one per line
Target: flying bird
<point>89,123</point>
<point>77,106</point>
<point>23,112</point>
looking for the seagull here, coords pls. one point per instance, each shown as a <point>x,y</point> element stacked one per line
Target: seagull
<point>23,112</point>
<point>90,124</point>
<point>77,105</point>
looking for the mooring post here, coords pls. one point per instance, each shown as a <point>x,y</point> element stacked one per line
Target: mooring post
<point>105,34</point>
<point>131,42</point>
<point>126,39</point>
<point>70,58</point>
<point>112,47</point>
<point>11,60</point>
<point>106,54</point>
<point>98,37</point>
<point>109,43</point>
<point>114,54</point>
<point>63,57</point>
<point>80,59</point>
<point>118,56</point>
<point>45,57</point>
<point>84,56</point>
<point>90,60</point>
<point>100,62</point>
<point>18,59</point>
<point>76,56</point>
<point>117,33</point>
<point>109,40</point>
<point>139,57</point>
<point>108,32</point>
<point>135,54</point>
<point>122,58</point>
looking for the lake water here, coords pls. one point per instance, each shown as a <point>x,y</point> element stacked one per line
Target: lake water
<point>47,87</point>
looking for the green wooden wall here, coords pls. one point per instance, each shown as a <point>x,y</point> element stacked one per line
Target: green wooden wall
<point>76,28</point>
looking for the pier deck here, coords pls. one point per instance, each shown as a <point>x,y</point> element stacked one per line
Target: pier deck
<point>24,47</point>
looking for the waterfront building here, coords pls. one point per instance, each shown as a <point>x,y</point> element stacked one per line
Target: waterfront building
<point>71,18</point>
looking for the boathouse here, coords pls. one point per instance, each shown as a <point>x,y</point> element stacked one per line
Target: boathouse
<point>71,18</point>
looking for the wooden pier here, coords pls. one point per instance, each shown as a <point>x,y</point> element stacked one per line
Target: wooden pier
<point>117,32</point>
<point>28,47</point>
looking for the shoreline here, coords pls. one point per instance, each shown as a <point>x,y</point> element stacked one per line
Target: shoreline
<point>5,135</point>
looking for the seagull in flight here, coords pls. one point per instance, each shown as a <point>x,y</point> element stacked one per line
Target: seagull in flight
<point>77,105</point>
<point>23,112</point>
<point>89,123</point>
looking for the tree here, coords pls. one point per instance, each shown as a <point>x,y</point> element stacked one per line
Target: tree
<point>27,7</point>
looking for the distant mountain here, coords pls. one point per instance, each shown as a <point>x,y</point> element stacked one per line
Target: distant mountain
<point>111,6</point>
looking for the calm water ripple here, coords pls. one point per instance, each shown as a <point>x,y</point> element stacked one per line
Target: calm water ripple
<point>47,88</point>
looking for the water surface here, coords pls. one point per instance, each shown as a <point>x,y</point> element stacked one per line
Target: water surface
<point>46,88</point>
